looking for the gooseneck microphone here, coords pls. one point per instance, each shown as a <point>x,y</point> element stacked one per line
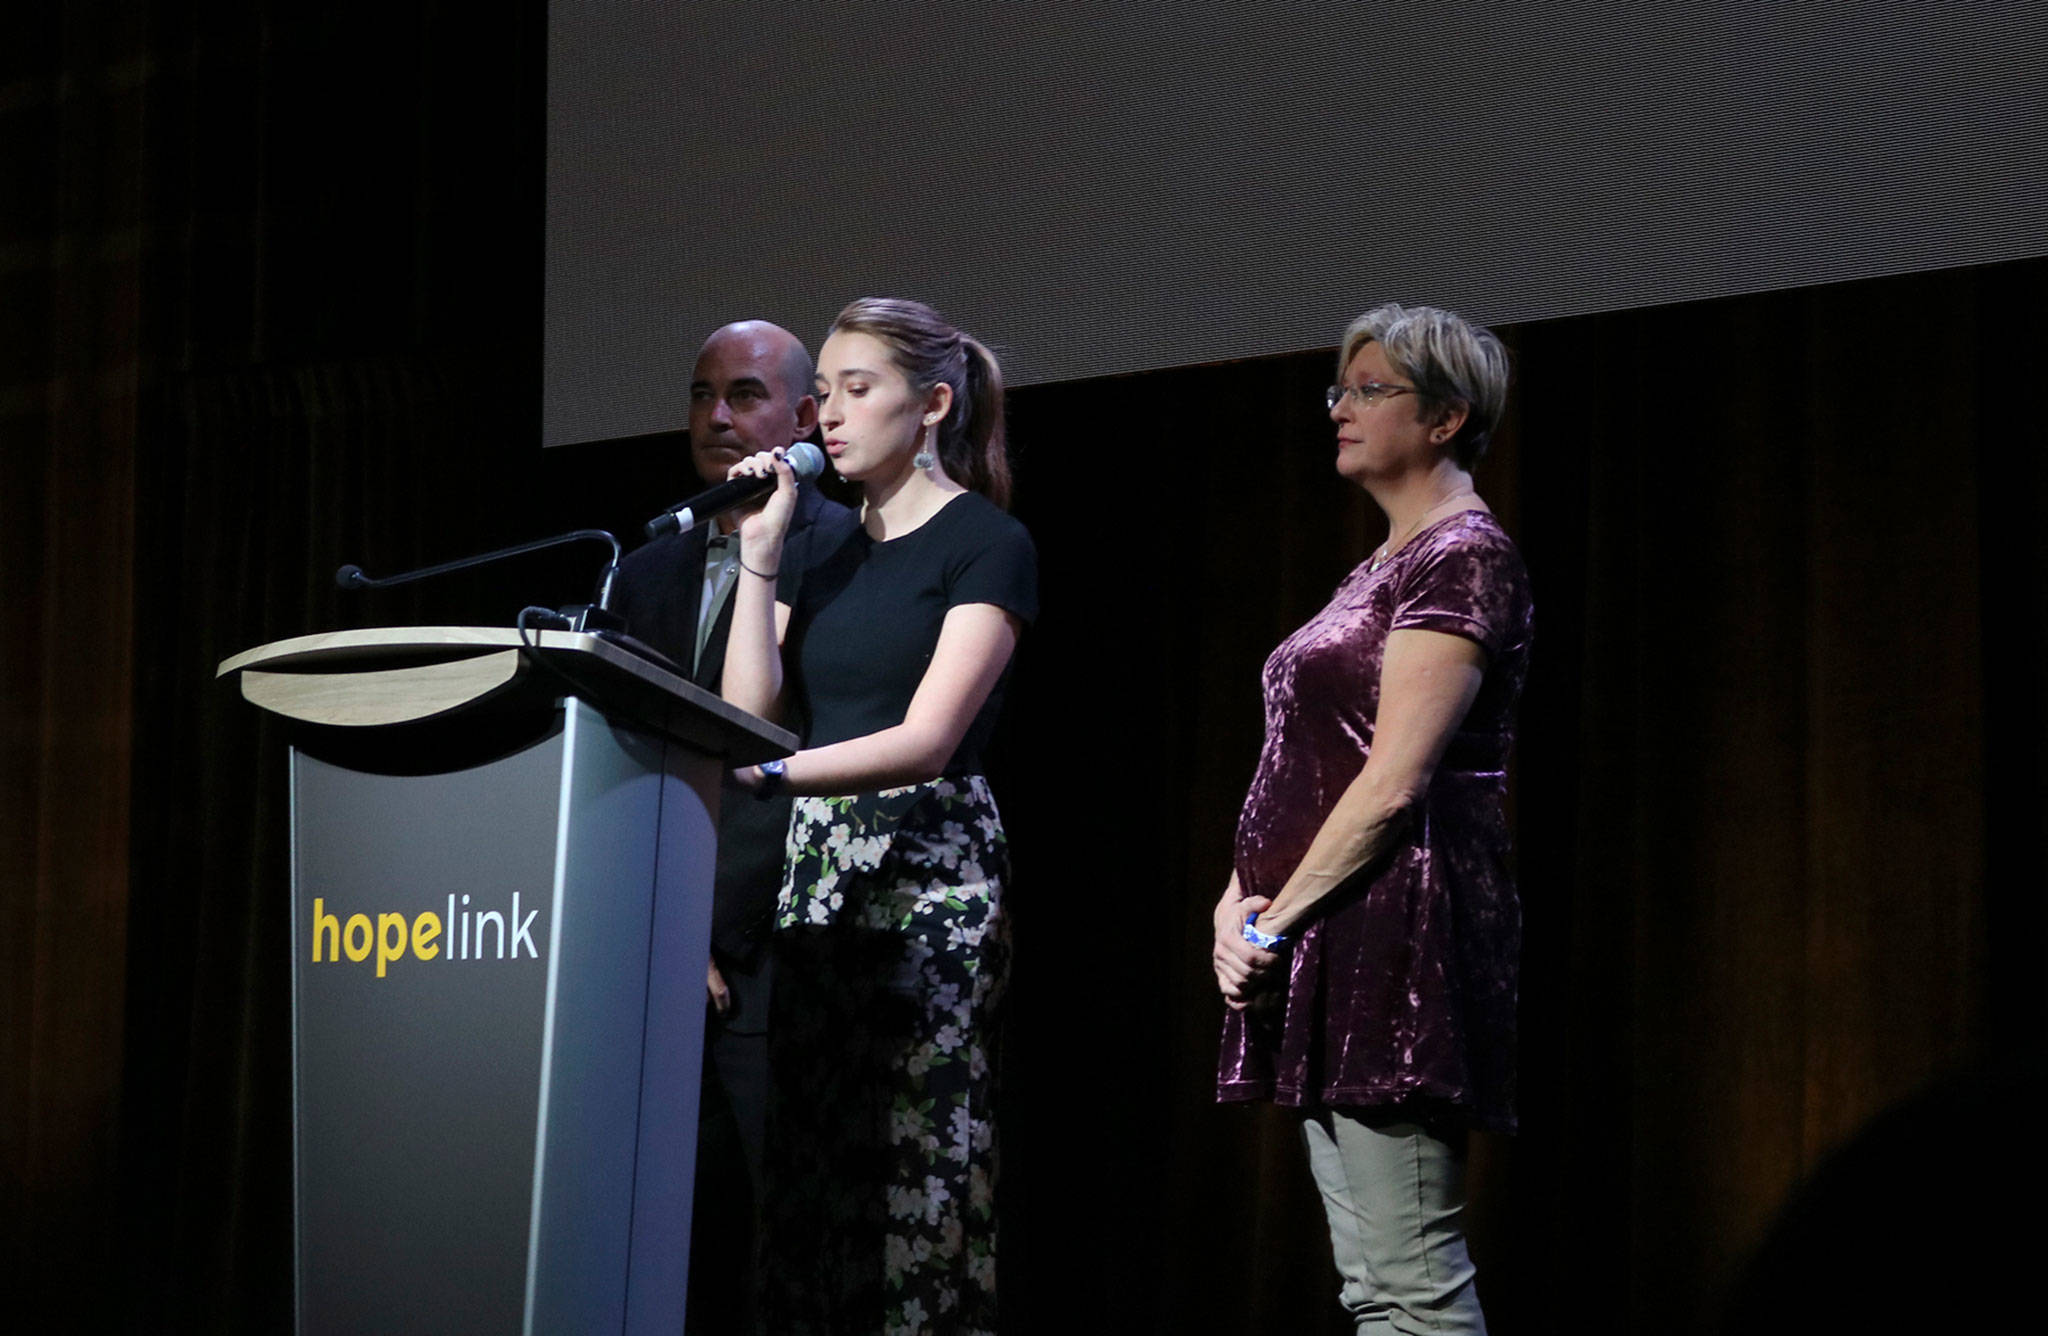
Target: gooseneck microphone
<point>805,460</point>
<point>584,617</point>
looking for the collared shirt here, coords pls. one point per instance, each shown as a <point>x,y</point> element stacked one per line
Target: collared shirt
<point>721,572</point>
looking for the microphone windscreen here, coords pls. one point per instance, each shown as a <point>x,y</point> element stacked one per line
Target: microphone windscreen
<point>348,577</point>
<point>805,460</point>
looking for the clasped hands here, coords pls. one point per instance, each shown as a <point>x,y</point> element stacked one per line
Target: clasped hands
<point>1243,971</point>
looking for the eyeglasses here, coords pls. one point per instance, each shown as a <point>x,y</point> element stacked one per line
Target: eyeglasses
<point>1368,394</point>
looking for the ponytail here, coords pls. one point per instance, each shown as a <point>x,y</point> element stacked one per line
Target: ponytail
<point>973,437</point>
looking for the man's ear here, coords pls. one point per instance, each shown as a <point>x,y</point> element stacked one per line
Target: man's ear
<point>806,416</point>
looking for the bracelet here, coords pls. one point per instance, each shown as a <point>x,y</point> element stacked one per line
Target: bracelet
<point>774,775</point>
<point>1265,941</point>
<point>764,575</point>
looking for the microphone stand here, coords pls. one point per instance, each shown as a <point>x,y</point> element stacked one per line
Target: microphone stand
<point>596,616</point>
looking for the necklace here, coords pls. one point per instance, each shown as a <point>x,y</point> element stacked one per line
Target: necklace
<point>1393,545</point>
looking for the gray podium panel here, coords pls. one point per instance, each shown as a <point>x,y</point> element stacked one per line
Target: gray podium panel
<point>498,998</point>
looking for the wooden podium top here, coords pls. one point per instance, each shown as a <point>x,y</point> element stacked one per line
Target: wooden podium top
<point>388,675</point>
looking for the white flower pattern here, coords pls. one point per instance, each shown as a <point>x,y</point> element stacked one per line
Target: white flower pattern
<point>893,953</point>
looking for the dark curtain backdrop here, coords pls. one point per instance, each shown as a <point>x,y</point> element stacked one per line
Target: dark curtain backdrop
<point>271,303</point>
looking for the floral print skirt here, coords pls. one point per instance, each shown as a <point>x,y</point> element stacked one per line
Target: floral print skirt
<point>891,955</point>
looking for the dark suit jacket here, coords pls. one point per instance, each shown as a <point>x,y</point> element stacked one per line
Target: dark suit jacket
<point>658,589</point>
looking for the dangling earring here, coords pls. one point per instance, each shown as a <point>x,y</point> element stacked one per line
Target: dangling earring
<point>923,459</point>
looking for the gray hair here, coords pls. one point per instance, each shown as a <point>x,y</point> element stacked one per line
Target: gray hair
<point>1448,360</point>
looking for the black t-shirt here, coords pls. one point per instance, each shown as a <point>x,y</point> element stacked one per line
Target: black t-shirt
<point>865,617</point>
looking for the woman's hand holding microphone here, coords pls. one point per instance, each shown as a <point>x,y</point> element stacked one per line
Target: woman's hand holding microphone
<point>763,529</point>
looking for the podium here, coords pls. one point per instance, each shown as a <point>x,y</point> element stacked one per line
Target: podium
<point>501,859</point>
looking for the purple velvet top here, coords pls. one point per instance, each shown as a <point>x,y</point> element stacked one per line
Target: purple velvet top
<point>1401,988</point>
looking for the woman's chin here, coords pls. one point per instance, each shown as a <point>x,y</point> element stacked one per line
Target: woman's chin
<point>1352,467</point>
<point>882,472</point>
<point>1365,470</point>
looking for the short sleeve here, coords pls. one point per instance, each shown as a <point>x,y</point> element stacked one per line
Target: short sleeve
<point>1001,569</point>
<point>1467,582</point>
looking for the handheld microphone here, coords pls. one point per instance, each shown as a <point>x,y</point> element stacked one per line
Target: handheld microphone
<point>805,460</point>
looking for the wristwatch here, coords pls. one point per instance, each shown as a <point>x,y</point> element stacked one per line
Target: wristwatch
<point>774,774</point>
<point>1265,941</point>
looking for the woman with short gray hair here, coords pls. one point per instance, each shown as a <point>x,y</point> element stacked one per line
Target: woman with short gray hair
<point>1368,941</point>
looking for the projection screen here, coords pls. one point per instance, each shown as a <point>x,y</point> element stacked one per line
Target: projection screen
<point>1099,189</point>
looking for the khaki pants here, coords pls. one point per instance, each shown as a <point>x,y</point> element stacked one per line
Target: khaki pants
<point>1395,1196</point>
